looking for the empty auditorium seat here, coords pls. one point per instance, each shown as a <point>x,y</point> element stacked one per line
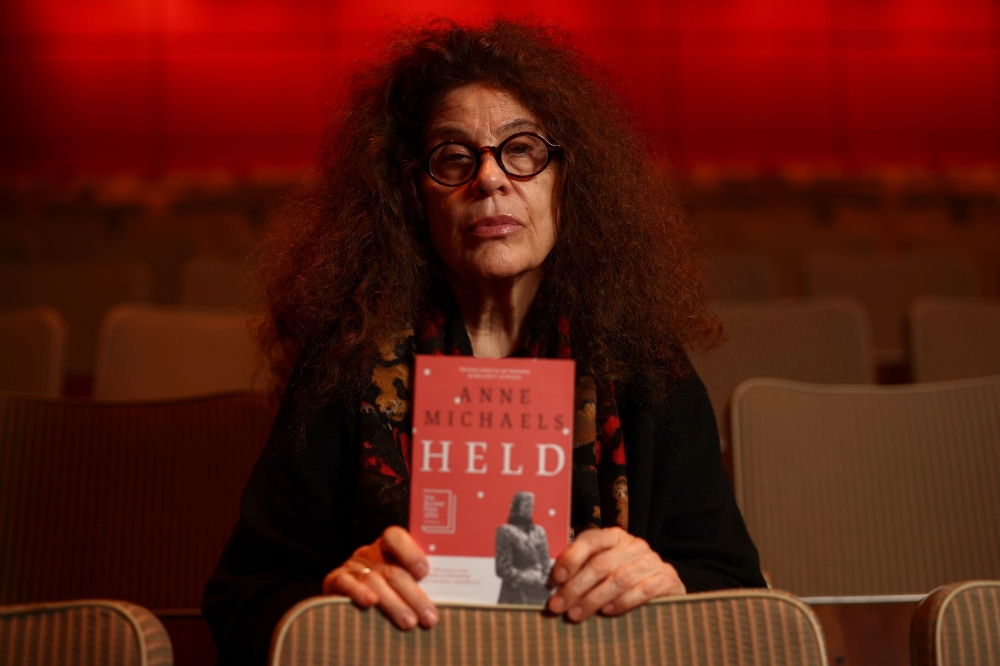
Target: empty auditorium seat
<point>888,285</point>
<point>82,293</point>
<point>954,338</point>
<point>741,276</point>
<point>870,490</point>
<point>95,632</point>
<point>958,625</point>
<point>215,281</point>
<point>149,352</point>
<point>32,351</point>
<point>126,501</point>
<point>825,340</point>
<point>735,627</point>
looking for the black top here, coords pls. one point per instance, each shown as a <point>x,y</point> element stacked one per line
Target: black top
<point>297,513</point>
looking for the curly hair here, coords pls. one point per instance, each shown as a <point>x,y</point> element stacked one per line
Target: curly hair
<point>353,261</point>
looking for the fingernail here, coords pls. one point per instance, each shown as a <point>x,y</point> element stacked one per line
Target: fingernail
<point>409,620</point>
<point>560,574</point>
<point>556,604</point>
<point>609,608</point>
<point>576,612</point>
<point>419,570</point>
<point>430,616</point>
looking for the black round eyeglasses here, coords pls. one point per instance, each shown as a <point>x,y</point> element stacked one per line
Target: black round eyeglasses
<point>520,155</point>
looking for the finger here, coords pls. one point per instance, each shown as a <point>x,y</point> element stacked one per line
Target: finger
<point>633,574</point>
<point>596,570</point>
<point>390,603</point>
<point>411,593</point>
<point>662,585</point>
<point>401,547</point>
<point>339,581</point>
<point>582,549</point>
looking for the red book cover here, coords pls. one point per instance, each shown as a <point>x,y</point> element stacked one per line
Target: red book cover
<point>491,468</point>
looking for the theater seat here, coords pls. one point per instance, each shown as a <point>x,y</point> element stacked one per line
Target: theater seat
<point>958,625</point>
<point>886,286</point>
<point>159,352</point>
<point>32,351</point>
<point>95,632</point>
<point>870,490</point>
<point>121,500</point>
<point>82,293</point>
<point>954,338</point>
<point>734,627</point>
<point>823,340</point>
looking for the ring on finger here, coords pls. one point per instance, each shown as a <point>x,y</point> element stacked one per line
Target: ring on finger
<point>364,572</point>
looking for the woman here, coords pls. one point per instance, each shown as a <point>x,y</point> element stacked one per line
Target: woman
<point>481,194</point>
<point>522,555</point>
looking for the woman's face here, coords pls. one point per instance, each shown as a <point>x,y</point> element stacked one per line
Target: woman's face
<point>495,226</point>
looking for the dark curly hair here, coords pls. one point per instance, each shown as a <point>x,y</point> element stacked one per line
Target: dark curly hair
<point>353,261</point>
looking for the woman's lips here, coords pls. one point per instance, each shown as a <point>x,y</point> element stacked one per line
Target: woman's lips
<point>498,225</point>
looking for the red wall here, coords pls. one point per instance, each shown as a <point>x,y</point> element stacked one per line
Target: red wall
<point>149,86</point>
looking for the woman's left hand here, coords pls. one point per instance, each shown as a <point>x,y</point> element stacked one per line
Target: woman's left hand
<point>610,571</point>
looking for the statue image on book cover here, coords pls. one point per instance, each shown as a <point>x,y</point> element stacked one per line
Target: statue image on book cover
<point>522,555</point>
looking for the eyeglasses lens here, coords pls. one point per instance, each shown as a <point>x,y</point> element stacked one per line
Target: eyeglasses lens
<point>524,155</point>
<point>452,163</point>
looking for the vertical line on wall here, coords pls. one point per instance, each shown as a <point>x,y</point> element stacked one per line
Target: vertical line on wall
<point>837,46</point>
<point>158,85</point>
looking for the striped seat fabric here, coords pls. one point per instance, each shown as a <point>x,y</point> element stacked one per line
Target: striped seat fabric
<point>736,627</point>
<point>82,633</point>
<point>121,500</point>
<point>958,625</point>
<point>870,490</point>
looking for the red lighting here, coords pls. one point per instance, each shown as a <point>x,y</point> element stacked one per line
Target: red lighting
<point>150,86</point>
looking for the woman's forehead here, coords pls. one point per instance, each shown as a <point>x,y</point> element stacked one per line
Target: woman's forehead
<point>478,112</point>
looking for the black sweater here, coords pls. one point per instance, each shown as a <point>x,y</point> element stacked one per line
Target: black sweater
<point>297,513</point>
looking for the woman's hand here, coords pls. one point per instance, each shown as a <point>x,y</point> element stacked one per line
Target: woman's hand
<point>385,574</point>
<point>610,571</point>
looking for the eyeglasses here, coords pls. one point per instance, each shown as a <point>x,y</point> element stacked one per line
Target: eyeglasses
<point>520,155</point>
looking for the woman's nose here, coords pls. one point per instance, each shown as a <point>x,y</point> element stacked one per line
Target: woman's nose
<point>490,177</point>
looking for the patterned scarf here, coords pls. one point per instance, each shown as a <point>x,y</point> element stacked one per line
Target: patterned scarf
<point>600,487</point>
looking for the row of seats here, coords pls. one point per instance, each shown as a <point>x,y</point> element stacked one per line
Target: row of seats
<point>155,352</point>
<point>82,294</point>
<point>829,340</point>
<point>956,625</point>
<point>144,352</point>
<point>847,490</point>
<point>885,286</point>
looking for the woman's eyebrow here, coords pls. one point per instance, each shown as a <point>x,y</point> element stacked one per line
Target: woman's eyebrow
<point>449,132</point>
<point>518,124</point>
<point>457,132</point>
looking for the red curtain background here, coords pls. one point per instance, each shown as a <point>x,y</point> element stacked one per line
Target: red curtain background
<point>153,86</point>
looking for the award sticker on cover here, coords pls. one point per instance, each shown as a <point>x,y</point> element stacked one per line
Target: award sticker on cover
<point>491,461</point>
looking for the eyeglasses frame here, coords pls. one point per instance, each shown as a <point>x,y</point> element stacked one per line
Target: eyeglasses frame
<point>497,152</point>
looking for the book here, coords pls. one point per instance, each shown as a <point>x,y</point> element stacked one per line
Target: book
<point>490,474</point>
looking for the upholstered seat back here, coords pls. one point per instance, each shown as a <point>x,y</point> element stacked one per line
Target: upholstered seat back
<point>82,633</point>
<point>736,627</point>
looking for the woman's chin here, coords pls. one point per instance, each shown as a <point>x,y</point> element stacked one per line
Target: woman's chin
<point>498,273</point>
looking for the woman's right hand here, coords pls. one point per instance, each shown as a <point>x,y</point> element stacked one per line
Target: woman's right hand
<point>385,574</point>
